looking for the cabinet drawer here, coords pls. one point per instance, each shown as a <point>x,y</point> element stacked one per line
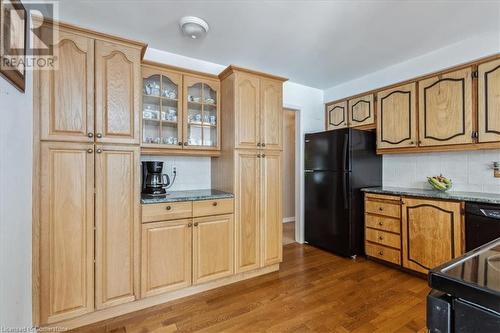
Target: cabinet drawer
<point>167,211</point>
<point>383,238</point>
<point>383,253</point>
<point>213,207</point>
<point>383,223</point>
<point>375,196</point>
<point>383,208</point>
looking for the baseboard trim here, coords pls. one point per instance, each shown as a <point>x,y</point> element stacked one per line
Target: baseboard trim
<point>289,219</point>
<point>151,301</point>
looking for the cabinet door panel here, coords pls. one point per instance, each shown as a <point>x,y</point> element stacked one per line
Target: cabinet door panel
<point>67,93</point>
<point>67,231</point>
<point>396,121</point>
<point>445,109</point>
<point>271,112</point>
<point>336,116</point>
<point>489,101</point>
<point>432,233</point>
<point>166,256</point>
<point>271,209</point>
<point>247,117</point>
<point>213,247</point>
<point>361,111</point>
<point>118,80</point>
<point>117,225</point>
<point>247,214</point>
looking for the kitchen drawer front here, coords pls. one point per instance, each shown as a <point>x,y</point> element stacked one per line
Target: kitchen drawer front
<point>167,211</point>
<point>383,208</point>
<point>383,253</point>
<point>382,197</point>
<point>213,207</point>
<point>383,238</point>
<point>383,223</point>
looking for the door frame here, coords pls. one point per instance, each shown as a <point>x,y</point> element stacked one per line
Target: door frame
<point>299,169</point>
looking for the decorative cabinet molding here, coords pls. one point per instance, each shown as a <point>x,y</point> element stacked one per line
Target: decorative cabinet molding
<point>396,117</point>
<point>445,109</point>
<point>247,102</point>
<point>431,233</point>
<point>117,224</point>
<point>489,101</point>
<point>271,114</point>
<point>337,116</point>
<point>361,111</point>
<point>117,80</point>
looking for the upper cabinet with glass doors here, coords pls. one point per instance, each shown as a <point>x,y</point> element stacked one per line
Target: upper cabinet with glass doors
<point>180,113</point>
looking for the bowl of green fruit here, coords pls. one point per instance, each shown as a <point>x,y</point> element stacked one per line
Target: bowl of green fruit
<point>440,183</point>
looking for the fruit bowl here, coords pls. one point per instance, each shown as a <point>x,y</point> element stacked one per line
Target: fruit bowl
<point>440,183</point>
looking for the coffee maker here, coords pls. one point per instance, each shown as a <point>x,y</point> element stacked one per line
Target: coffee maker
<point>154,182</point>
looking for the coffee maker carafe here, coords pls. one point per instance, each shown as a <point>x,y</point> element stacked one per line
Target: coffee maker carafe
<point>153,181</point>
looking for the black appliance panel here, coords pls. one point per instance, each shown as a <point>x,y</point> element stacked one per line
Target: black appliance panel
<point>482,224</point>
<point>327,151</point>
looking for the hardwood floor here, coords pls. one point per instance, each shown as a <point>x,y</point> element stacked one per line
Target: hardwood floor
<point>314,291</point>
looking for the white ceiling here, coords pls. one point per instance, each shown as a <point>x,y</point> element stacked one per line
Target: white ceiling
<point>315,43</point>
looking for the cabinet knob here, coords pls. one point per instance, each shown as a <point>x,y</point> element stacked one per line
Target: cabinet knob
<point>90,151</point>
<point>258,155</point>
<point>412,142</point>
<point>180,143</point>
<point>185,143</point>
<point>90,134</point>
<point>258,144</point>
<point>263,155</point>
<point>380,223</point>
<point>263,145</point>
<point>168,207</point>
<point>98,135</point>
<point>380,237</point>
<point>381,253</point>
<point>214,203</point>
<point>381,208</point>
<point>190,225</point>
<point>99,151</point>
<point>196,224</point>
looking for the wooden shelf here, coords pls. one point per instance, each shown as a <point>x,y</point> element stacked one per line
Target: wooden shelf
<point>202,103</point>
<point>202,124</point>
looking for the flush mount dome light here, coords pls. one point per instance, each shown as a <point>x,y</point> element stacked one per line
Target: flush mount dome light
<point>193,27</point>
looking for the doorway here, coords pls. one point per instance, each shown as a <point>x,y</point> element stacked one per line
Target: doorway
<point>289,159</point>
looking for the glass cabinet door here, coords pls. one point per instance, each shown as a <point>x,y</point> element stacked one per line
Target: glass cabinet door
<point>201,121</point>
<point>161,112</point>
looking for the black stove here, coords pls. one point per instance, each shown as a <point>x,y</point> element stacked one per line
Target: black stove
<point>466,292</point>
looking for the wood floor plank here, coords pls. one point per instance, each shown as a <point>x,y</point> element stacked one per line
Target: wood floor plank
<point>314,291</point>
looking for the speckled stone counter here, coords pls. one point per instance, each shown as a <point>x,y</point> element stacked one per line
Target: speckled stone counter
<point>193,195</point>
<point>451,195</point>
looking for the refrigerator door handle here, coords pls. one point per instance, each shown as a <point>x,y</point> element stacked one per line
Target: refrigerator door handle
<point>308,171</point>
<point>344,189</point>
<point>344,153</point>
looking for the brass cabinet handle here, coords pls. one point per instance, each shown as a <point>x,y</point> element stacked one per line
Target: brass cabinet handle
<point>196,224</point>
<point>214,203</point>
<point>190,225</point>
<point>168,207</point>
<point>98,135</point>
<point>90,134</point>
<point>98,151</point>
<point>90,151</point>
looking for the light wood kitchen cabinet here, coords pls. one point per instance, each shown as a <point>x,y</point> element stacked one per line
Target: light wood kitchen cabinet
<point>66,95</point>
<point>336,115</point>
<point>271,208</point>
<point>117,224</point>
<point>271,114</point>
<point>396,117</point>
<point>247,111</point>
<point>213,247</point>
<point>117,93</point>
<point>247,209</point>
<point>445,109</point>
<point>431,233</point>
<point>361,111</point>
<point>166,256</point>
<point>489,101</point>
<point>66,231</point>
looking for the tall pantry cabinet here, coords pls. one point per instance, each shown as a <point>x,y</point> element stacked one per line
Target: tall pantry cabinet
<point>250,164</point>
<point>87,196</point>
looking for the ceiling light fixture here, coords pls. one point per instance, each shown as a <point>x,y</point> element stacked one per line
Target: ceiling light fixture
<point>193,26</point>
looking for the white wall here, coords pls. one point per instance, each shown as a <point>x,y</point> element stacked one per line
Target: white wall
<point>309,102</point>
<point>16,138</point>
<point>470,171</point>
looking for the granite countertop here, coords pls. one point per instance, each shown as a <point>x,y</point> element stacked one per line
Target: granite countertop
<point>192,195</point>
<point>451,195</point>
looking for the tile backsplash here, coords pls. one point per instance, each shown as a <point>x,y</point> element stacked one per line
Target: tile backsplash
<point>192,172</point>
<point>470,171</point>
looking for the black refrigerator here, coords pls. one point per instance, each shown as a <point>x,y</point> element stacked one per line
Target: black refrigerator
<point>337,165</point>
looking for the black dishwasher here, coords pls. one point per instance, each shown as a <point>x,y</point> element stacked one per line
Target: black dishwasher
<point>482,224</point>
